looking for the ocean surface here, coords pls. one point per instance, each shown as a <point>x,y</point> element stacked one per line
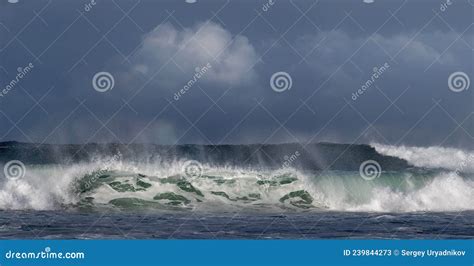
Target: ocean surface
<point>374,192</point>
<point>311,225</point>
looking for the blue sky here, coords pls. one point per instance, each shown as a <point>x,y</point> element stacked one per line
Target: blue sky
<point>202,72</point>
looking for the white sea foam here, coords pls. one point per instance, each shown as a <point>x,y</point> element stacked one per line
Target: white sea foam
<point>445,192</point>
<point>51,187</point>
<point>431,157</point>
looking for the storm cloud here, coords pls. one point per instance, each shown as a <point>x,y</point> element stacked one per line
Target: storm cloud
<point>200,73</point>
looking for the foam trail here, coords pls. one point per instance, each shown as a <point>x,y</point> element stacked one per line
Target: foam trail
<point>431,157</point>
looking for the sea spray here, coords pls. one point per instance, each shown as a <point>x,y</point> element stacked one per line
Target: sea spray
<point>164,185</point>
<point>431,157</point>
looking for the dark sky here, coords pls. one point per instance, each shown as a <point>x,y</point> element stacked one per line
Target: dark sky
<point>152,49</point>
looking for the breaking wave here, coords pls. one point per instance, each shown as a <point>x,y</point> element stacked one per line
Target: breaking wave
<point>431,157</point>
<point>113,184</point>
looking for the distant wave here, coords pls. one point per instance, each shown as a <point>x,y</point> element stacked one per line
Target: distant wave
<point>432,157</point>
<point>122,185</point>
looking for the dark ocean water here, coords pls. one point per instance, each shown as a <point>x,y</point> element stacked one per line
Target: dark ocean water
<point>195,225</point>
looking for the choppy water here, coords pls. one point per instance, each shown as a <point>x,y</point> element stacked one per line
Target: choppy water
<point>313,225</point>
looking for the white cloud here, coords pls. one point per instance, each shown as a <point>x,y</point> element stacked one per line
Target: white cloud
<point>329,50</point>
<point>178,52</point>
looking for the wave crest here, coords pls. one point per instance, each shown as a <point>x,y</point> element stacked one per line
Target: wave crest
<point>431,157</point>
<point>124,185</point>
